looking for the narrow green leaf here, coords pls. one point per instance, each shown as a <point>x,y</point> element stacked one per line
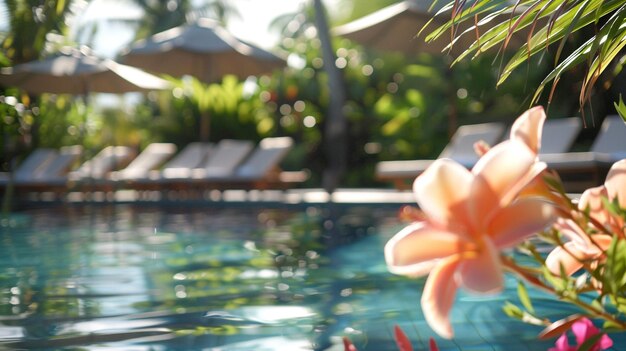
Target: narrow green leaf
<point>512,310</point>
<point>541,38</point>
<point>620,107</point>
<point>60,6</point>
<point>611,326</point>
<point>610,41</point>
<point>522,293</point>
<point>569,31</point>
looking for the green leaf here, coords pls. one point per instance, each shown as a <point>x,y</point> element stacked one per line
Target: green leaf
<point>60,6</point>
<point>581,14</point>
<point>522,293</point>
<point>612,40</point>
<point>415,98</point>
<point>615,267</point>
<point>611,326</point>
<point>512,310</point>
<point>396,123</point>
<point>620,107</point>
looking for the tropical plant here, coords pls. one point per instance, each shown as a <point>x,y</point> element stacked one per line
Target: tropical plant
<point>468,220</point>
<point>548,26</point>
<point>30,23</point>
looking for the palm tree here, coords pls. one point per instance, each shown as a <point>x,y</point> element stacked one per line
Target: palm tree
<point>163,15</point>
<point>29,23</point>
<point>550,24</point>
<point>291,25</point>
<point>335,132</point>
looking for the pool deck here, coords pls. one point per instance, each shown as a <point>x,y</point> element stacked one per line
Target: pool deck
<point>315,196</point>
<point>290,197</point>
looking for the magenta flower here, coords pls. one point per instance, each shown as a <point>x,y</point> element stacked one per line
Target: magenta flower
<point>583,329</point>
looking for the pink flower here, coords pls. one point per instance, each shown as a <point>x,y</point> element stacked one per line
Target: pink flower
<point>583,246</point>
<point>579,249</point>
<point>527,128</point>
<point>470,217</point>
<point>614,189</point>
<point>615,182</point>
<point>583,329</point>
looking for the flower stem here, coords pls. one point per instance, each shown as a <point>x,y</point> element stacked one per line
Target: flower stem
<point>535,281</point>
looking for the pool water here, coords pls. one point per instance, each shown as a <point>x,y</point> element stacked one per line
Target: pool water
<point>236,278</point>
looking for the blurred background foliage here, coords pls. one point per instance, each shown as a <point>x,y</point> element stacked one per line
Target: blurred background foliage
<point>397,107</point>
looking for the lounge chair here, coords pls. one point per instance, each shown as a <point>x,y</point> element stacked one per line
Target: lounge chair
<point>177,171</point>
<point>558,135</point>
<point>262,169</point>
<point>53,175</point>
<point>45,170</point>
<point>581,170</point>
<point>152,157</point>
<point>92,174</point>
<point>28,169</point>
<point>183,164</point>
<point>460,148</point>
<point>225,158</point>
<point>31,166</point>
<point>221,162</point>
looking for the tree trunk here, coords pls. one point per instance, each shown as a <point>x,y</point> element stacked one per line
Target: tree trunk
<point>335,129</point>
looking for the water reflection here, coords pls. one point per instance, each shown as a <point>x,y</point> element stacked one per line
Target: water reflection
<point>201,277</point>
<point>111,277</point>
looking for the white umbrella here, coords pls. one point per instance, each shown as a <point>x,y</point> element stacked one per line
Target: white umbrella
<point>202,49</point>
<point>77,71</point>
<point>395,28</point>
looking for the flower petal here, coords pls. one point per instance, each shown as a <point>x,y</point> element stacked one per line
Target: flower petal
<point>527,128</point>
<point>572,230</point>
<point>516,222</point>
<point>605,342</point>
<point>583,329</point>
<point>416,249</point>
<point>616,182</point>
<point>591,200</point>
<point>438,296</point>
<point>483,273</point>
<point>560,256</point>
<point>561,344</point>
<point>442,190</point>
<point>499,176</point>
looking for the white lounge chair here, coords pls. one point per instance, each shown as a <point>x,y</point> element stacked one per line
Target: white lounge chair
<point>559,135</point>
<point>581,170</point>
<point>30,167</point>
<point>183,164</point>
<point>460,148</point>
<point>107,160</point>
<point>152,157</point>
<point>262,169</point>
<point>225,158</point>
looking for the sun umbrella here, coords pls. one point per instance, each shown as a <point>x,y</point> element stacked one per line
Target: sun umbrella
<point>395,28</point>
<point>202,49</point>
<point>77,71</point>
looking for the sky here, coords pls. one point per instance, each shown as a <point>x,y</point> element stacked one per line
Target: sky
<point>253,25</point>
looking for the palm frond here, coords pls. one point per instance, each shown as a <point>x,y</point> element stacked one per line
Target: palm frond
<point>543,23</point>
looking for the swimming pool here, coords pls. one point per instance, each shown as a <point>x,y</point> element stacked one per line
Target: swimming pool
<point>235,278</point>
